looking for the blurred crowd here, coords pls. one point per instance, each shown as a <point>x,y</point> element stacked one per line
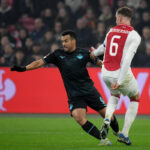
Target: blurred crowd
<point>29,29</point>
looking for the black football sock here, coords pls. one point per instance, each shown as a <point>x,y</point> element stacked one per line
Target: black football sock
<point>91,129</point>
<point>114,124</point>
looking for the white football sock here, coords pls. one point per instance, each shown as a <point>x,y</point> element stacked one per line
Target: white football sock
<point>111,106</point>
<point>130,116</point>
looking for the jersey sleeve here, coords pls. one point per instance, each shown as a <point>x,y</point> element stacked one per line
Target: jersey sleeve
<point>101,49</point>
<point>50,58</point>
<point>135,41</point>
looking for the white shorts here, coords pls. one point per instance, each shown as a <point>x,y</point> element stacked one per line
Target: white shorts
<point>129,86</point>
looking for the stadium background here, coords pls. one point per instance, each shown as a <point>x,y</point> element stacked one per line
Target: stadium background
<point>29,29</point>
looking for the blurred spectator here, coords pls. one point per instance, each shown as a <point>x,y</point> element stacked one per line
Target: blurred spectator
<point>133,3</point>
<point>23,34</point>
<point>73,4</point>
<point>19,58</point>
<point>57,30</point>
<point>61,4</point>
<point>64,18</point>
<point>147,57</point>
<point>146,33</point>
<point>145,39</point>
<point>33,58</point>
<point>121,3</point>
<point>4,31</point>
<point>142,8</point>
<point>91,19</point>
<point>31,8</point>
<point>48,18</point>
<point>106,16</point>
<point>144,22</point>
<point>54,46</point>
<point>26,22</point>
<point>84,34</point>
<point>143,60</point>
<point>39,31</point>
<point>100,32</point>
<point>37,56</point>
<point>117,4</point>
<point>28,46</point>
<point>135,17</point>
<point>98,6</point>
<point>8,53</point>
<point>3,61</point>
<point>36,49</point>
<point>82,9</point>
<point>7,16</point>
<point>4,41</point>
<point>46,41</point>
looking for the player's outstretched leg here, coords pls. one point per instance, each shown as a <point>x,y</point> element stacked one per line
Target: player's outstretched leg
<point>105,128</point>
<point>80,116</point>
<point>114,125</point>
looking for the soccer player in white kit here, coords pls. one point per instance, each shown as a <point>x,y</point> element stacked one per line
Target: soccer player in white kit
<point>119,48</point>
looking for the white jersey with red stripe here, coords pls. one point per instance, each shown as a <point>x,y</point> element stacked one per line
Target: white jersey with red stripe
<point>119,48</point>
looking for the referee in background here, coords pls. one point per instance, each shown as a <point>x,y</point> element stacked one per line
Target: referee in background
<point>81,91</point>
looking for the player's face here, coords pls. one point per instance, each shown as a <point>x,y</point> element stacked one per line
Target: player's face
<point>68,43</point>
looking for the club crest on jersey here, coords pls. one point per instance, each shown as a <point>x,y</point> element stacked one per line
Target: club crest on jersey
<point>62,57</point>
<point>80,56</point>
<point>70,106</point>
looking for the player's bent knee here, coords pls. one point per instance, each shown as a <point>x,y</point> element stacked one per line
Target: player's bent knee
<point>135,98</point>
<point>79,119</point>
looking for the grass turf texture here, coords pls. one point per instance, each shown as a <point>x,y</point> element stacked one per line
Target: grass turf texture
<point>59,133</point>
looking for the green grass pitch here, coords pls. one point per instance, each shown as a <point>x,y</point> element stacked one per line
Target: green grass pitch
<point>63,133</point>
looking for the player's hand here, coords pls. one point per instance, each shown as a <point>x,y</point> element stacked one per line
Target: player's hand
<point>115,86</point>
<point>99,63</point>
<point>18,68</point>
<point>92,53</point>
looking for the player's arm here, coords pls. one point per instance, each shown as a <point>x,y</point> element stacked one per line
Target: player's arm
<point>50,58</point>
<point>99,51</point>
<point>128,58</point>
<point>34,65</point>
<point>95,61</point>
